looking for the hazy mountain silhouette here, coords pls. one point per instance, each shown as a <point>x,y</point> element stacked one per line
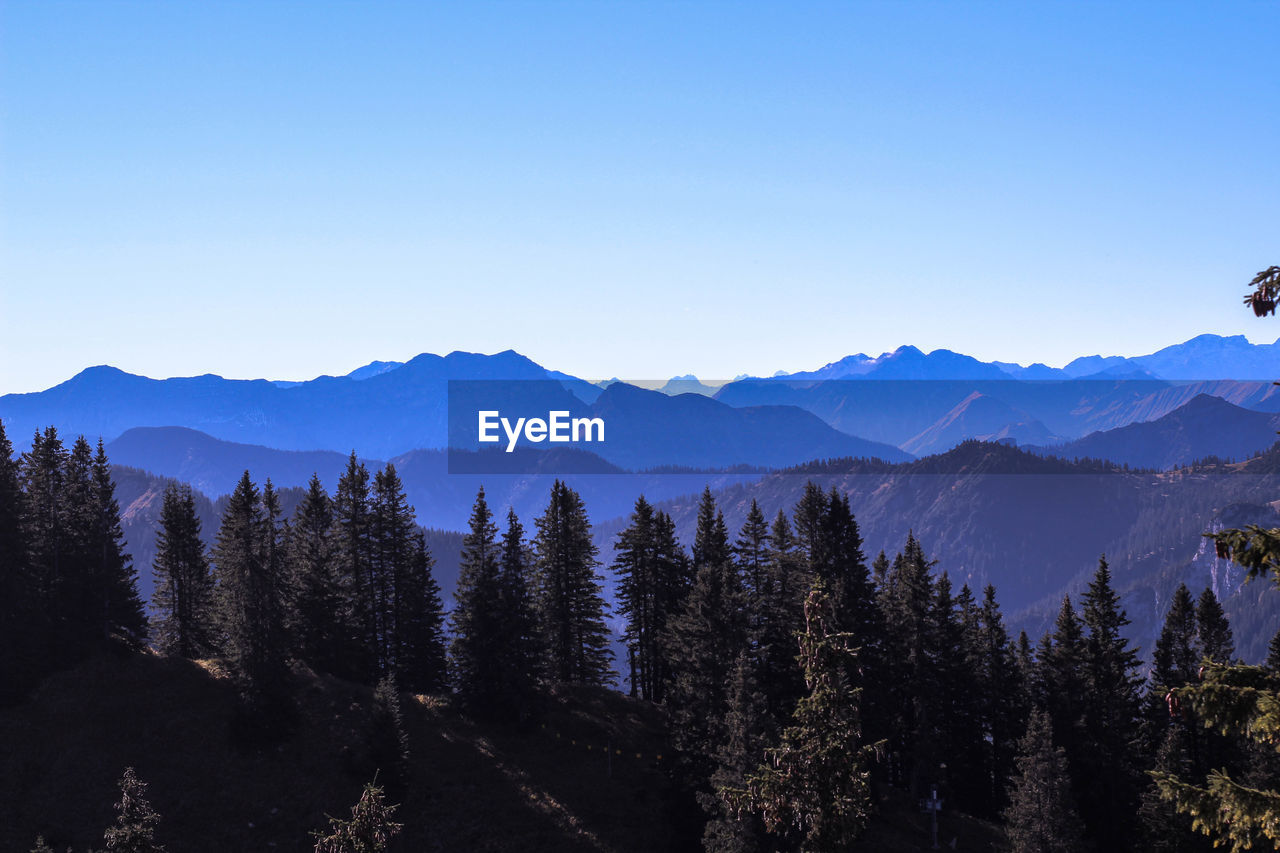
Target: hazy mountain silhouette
<point>1204,426</point>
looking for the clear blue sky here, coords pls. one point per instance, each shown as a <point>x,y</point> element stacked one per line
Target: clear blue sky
<point>283,190</point>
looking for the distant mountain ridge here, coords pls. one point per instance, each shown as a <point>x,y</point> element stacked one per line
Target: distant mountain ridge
<point>1202,357</point>
<point>1204,426</point>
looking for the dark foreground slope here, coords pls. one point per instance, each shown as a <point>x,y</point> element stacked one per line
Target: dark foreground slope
<point>472,788</point>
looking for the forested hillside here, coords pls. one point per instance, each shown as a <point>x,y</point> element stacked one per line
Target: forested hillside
<point>788,686</point>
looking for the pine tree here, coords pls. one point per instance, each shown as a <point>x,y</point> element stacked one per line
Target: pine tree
<point>477,653</point>
<point>249,600</point>
<point>316,599</point>
<point>44,517</point>
<point>1062,680</point>
<point>393,536</point>
<point>817,782</point>
<point>353,550</point>
<point>652,582</point>
<point>809,519</point>
<point>701,643</point>
<point>183,596</point>
<point>1041,817</point>
<point>1273,653</point>
<point>370,829</point>
<point>135,827</point>
<point>1177,654</point>
<point>518,619</point>
<point>1233,700</point>
<point>907,602</point>
<point>388,740</point>
<point>635,566</point>
<point>1164,828</point>
<point>119,604</point>
<point>746,729</point>
<point>1213,629</point>
<point>711,537</point>
<point>570,592</point>
<point>1108,782</point>
<point>421,659</point>
<point>1002,691</point>
<point>782,618</point>
<point>19,609</point>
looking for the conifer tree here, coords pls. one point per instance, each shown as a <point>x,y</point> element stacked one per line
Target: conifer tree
<point>119,605</point>
<point>1273,653</point>
<point>782,617</point>
<point>746,730</point>
<point>1002,691</point>
<point>907,602</point>
<point>1213,629</point>
<point>1108,782</point>
<point>388,740</point>
<point>135,827</point>
<point>570,593</point>
<point>701,642</point>
<point>421,659</point>
<point>477,653</point>
<point>18,605</point>
<point>1164,827</point>
<point>318,615</point>
<point>370,829</point>
<point>393,537</point>
<point>521,641</point>
<point>249,600</point>
<point>1062,680</point>
<point>1041,817</point>
<point>1177,653</point>
<point>652,582</point>
<point>183,597</point>
<point>711,537</point>
<point>816,784</point>
<point>44,530</point>
<point>353,549</point>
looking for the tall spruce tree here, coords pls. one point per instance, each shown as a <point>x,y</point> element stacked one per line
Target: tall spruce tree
<point>353,550</point>
<point>570,592</point>
<point>250,605</point>
<point>421,657</point>
<point>652,582</point>
<point>19,623</point>
<point>1041,817</point>
<point>1108,783</point>
<point>521,638</point>
<point>183,597</point>
<point>477,652</point>
<point>907,602</point>
<point>1063,682</point>
<point>393,536</point>
<point>816,783</point>
<point>1002,693</point>
<point>747,729</point>
<point>120,608</point>
<point>317,600</point>
<point>1213,629</point>
<point>44,529</point>
<point>701,642</point>
<point>781,619</point>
